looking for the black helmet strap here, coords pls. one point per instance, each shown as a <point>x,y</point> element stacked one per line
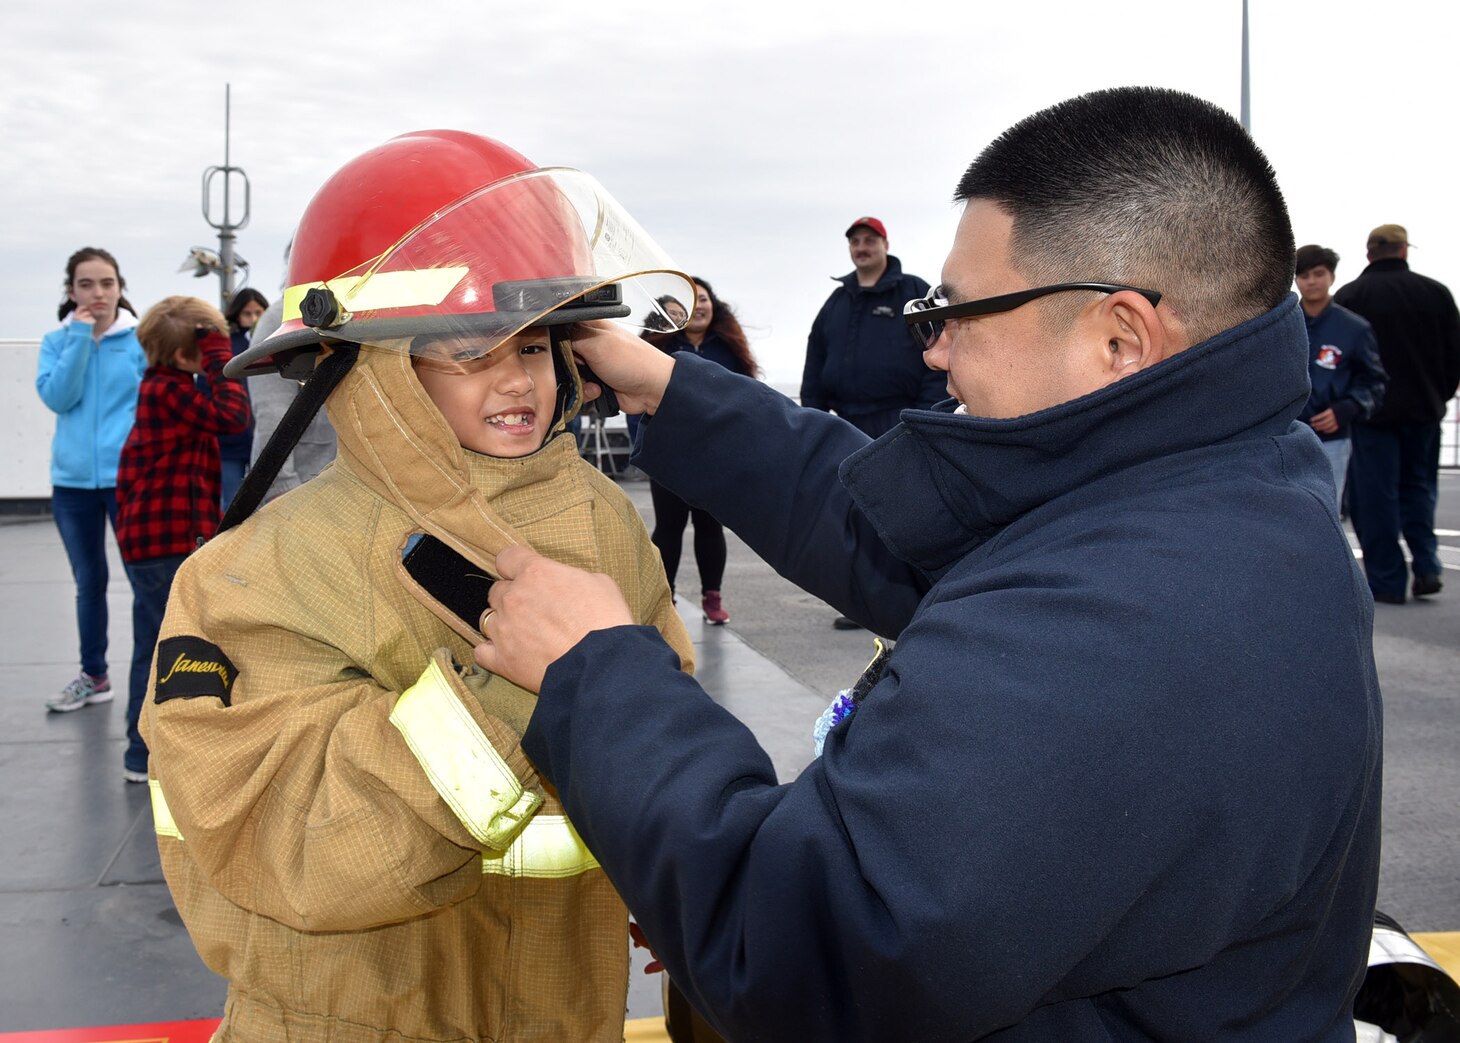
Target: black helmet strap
<point>286,436</point>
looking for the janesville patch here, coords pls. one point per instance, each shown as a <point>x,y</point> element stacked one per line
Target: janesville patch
<point>188,667</point>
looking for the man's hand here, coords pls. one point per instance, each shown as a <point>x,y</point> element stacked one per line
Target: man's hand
<point>539,610</point>
<point>634,368</point>
<point>1325,423</point>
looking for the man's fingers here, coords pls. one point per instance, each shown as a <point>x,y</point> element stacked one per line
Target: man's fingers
<point>511,561</point>
<point>487,657</point>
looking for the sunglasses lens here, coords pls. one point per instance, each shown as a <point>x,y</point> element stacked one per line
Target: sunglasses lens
<point>928,333</point>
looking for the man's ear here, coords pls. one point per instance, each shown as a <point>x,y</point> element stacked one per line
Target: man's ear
<point>1132,334</point>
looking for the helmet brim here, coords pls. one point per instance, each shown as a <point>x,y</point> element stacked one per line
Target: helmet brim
<point>287,351</point>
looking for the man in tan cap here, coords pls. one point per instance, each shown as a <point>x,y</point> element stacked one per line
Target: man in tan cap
<point>1396,451</point>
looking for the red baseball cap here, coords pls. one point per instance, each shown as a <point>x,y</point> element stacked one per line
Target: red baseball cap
<point>871,222</point>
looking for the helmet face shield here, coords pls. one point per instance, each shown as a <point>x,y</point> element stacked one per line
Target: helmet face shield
<point>543,247</point>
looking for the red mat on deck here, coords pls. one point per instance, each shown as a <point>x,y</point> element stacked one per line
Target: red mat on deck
<point>159,1032</point>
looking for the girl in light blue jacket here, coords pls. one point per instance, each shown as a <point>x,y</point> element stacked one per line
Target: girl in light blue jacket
<point>88,375</point>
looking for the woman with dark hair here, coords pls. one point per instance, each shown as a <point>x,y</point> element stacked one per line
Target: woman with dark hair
<point>713,332</point>
<point>88,375</point>
<point>235,450</point>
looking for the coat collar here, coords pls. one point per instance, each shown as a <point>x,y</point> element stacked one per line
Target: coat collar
<point>890,277</point>
<point>938,485</point>
<point>395,440</point>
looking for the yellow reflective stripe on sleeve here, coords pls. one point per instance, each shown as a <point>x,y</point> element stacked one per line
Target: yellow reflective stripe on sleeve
<point>461,762</point>
<point>161,814</point>
<point>549,848</point>
<point>381,290</point>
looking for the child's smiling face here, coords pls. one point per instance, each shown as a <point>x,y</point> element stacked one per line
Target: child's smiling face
<point>499,404</point>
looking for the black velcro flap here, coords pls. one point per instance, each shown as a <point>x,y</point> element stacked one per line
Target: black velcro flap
<point>449,577</point>
<point>189,667</point>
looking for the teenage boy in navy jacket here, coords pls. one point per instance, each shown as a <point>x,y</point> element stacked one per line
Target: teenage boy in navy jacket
<point>1343,361</point>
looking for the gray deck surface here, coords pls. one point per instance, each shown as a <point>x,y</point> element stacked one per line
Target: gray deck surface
<point>89,935</point>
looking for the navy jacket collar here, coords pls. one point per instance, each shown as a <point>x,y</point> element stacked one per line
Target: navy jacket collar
<point>938,484</point>
<point>889,278</point>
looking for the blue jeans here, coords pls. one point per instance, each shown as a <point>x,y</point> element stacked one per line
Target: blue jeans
<point>151,581</point>
<point>1338,450</point>
<point>1395,480</point>
<point>81,517</point>
<point>231,472</point>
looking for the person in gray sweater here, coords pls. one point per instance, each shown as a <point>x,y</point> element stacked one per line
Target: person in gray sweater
<point>272,395</point>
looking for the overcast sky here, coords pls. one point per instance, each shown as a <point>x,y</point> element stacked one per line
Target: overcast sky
<point>744,137</point>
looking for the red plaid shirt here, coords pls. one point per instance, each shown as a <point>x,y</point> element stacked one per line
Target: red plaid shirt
<point>168,484</point>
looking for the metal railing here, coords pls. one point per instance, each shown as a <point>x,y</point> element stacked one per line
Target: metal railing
<point>1450,436</point>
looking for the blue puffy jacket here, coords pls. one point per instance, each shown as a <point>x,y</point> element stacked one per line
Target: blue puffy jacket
<point>91,386</point>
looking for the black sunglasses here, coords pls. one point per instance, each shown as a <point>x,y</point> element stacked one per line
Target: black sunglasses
<point>926,315</point>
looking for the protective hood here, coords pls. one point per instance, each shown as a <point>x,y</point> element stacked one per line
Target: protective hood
<point>394,438</point>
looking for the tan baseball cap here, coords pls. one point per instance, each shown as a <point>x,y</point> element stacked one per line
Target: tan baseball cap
<point>1389,235</point>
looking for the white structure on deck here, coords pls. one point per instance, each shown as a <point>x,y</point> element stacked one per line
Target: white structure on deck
<point>26,425</point>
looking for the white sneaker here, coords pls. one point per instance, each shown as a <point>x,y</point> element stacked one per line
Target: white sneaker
<point>134,776</point>
<point>84,691</point>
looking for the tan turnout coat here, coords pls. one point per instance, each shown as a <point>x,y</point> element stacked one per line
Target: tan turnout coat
<point>327,849</point>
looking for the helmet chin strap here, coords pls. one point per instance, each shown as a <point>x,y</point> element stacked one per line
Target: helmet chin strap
<point>570,387</point>
<point>571,376</point>
<point>286,436</point>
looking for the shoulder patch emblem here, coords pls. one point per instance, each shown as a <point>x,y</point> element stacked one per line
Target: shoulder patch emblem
<point>189,667</point>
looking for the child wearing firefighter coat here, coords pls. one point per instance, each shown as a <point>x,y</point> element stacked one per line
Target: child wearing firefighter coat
<point>347,822</point>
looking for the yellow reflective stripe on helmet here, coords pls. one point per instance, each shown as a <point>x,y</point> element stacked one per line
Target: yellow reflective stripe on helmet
<point>549,848</point>
<point>381,290</point>
<point>461,762</point>
<point>161,814</point>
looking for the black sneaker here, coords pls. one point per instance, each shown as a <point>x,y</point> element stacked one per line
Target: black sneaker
<point>1390,599</point>
<point>1424,586</point>
<point>846,623</point>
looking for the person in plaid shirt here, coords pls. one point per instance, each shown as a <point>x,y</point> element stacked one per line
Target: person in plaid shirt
<point>168,483</point>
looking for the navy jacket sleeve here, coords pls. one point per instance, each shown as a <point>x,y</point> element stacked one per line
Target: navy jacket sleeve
<point>1450,350</point>
<point>769,471</point>
<point>813,391</point>
<point>990,834</point>
<point>1366,381</point>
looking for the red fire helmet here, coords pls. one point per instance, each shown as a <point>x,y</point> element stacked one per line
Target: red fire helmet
<point>459,237</point>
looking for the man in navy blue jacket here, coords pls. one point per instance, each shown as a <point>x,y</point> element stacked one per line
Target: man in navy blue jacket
<point>1343,361</point>
<point>861,362</point>
<point>1119,779</point>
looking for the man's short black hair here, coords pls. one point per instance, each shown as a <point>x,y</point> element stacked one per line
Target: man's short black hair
<point>1312,256</point>
<point>1144,186</point>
